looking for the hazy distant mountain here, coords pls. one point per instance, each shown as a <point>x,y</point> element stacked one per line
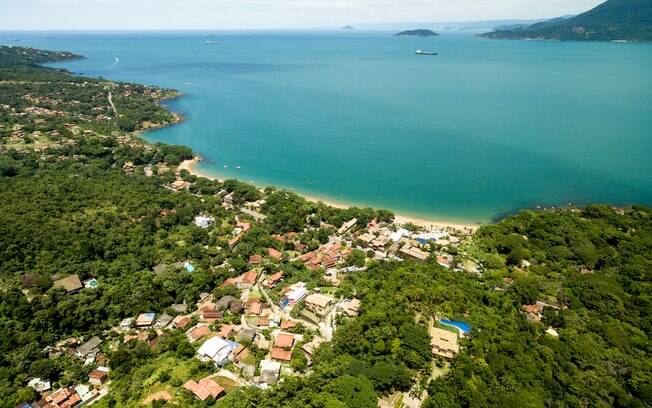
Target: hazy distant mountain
<point>348,27</point>
<point>627,20</point>
<point>447,25</point>
<point>417,33</point>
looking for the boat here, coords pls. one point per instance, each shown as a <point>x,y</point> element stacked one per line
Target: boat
<point>421,52</point>
<point>208,42</point>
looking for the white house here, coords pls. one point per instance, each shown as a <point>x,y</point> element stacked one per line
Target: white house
<point>215,349</point>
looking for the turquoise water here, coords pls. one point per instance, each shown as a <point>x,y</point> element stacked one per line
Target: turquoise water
<point>483,129</point>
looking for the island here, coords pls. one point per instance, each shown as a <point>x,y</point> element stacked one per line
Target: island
<point>348,27</point>
<point>613,20</point>
<point>128,281</point>
<point>417,33</point>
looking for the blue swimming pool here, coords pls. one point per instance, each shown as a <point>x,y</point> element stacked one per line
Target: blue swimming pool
<point>465,328</point>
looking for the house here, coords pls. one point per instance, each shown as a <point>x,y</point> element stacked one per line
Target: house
<point>145,319</point>
<point>98,377</point>
<point>280,354</point>
<point>203,221</point>
<point>278,255</point>
<point>284,340</point>
<point>225,302</point>
<point>318,303</point>
<point>443,262</point>
<point>414,252</point>
<point>198,332</point>
<point>206,387</point>
<point>179,185</point>
<point>128,167</point>
<point>255,259</point>
<point>179,307</point>
<point>71,284</point>
<point>288,324</point>
<point>90,347</point>
<point>269,371</point>
<point>309,348</point>
<point>296,292</point>
<point>215,349</point>
<point>255,308</point>
<point>247,280</point>
<point>240,354</point>
<point>443,343</point>
<point>85,392</point>
<point>90,283</point>
<point>263,321</point>
<point>246,335</point>
<point>163,321</point>
<point>39,385</point>
<point>347,226</point>
<point>180,322</point>
<point>350,307</point>
<point>209,314</point>
<point>226,330</point>
<point>274,279</point>
<point>63,398</point>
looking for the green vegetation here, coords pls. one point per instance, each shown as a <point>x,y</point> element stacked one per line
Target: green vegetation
<point>417,33</point>
<point>626,20</point>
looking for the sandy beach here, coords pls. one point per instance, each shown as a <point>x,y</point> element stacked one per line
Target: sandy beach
<point>191,167</point>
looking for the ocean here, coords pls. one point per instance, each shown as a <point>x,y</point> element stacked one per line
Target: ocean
<point>483,129</point>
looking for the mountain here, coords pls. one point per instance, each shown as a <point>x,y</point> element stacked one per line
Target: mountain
<point>417,33</point>
<point>614,20</point>
<point>348,27</point>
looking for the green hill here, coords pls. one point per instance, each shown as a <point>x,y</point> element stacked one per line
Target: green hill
<point>614,20</point>
<point>417,33</point>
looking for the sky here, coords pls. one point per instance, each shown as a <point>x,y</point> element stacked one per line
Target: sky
<point>265,14</point>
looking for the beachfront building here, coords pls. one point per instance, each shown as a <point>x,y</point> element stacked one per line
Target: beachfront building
<point>444,343</point>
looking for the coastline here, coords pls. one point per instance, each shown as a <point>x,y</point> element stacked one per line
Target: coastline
<point>399,219</point>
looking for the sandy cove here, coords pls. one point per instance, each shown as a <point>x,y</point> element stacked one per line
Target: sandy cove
<point>191,167</point>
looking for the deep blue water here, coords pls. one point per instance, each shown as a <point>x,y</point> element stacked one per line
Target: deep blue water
<point>484,128</point>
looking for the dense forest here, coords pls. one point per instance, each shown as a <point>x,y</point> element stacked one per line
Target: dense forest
<point>72,209</point>
<point>626,20</point>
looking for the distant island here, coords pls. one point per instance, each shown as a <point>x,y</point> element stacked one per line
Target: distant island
<point>417,33</point>
<point>614,20</point>
<point>348,27</point>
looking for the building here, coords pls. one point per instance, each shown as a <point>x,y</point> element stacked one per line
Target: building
<point>181,322</point>
<point>90,347</point>
<point>203,221</point>
<point>247,280</point>
<point>215,349</point>
<point>347,226</point>
<point>284,340</point>
<point>414,253</point>
<point>255,259</point>
<point>351,307</point>
<point>280,354</point>
<point>71,284</point>
<point>39,385</point>
<point>444,343</point>
<point>198,332</point>
<point>206,387</point>
<point>318,303</point>
<point>269,371</point>
<point>278,255</point>
<point>99,376</point>
<point>63,398</point>
<point>145,319</point>
<point>274,279</point>
<point>163,321</point>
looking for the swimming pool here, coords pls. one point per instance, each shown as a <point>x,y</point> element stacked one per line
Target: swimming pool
<point>464,328</point>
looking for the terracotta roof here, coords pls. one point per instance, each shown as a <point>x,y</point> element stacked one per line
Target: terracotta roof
<point>280,354</point>
<point>263,321</point>
<point>249,277</point>
<point>181,321</point>
<point>274,253</point>
<point>288,324</point>
<point>213,388</point>
<point>225,330</point>
<point>284,340</point>
<point>255,259</point>
<point>100,375</point>
<point>199,391</point>
<point>255,308</point>
<point>199,332</point>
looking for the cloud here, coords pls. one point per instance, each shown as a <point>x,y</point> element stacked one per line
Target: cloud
<point>232,14</point>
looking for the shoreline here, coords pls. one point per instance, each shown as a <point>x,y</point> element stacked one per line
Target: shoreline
<point>399,219</point>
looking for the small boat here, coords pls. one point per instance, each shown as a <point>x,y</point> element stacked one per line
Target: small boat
<point>237,167</point>
<point>209,42</point>
<point>421,52</point>
<point>226,166</point>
